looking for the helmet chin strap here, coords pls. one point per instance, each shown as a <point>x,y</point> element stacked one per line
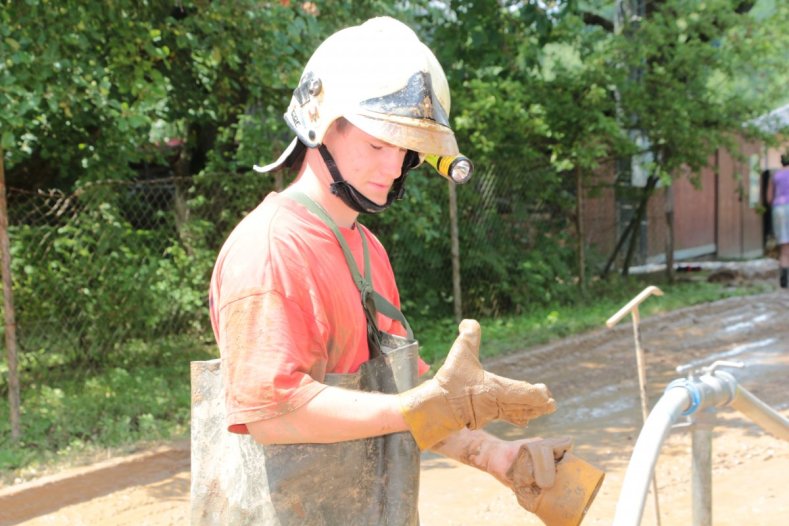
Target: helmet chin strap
<point>352,197</point>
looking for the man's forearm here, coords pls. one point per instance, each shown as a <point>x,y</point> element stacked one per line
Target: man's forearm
<point>333,415</point>
<point>478,449</point>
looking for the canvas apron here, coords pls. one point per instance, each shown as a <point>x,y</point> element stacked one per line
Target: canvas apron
<point>375,481</point>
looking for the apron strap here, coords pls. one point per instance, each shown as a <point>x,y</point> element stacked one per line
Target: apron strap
<point>372,301</point>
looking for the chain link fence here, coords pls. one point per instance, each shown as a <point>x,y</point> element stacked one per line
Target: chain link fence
<point>120,262</point>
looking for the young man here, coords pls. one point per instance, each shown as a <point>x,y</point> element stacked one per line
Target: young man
<point>317,364</point>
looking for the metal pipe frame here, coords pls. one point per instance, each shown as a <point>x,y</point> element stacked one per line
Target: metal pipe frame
<point>686,397</point>
<point>701,467</point>
<point>760,413</point>
<point>630,506</point>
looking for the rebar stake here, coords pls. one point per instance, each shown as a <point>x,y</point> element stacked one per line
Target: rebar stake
<point>632,308</point>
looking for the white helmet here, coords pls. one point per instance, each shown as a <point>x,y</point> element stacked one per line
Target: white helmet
<point>380,77</point>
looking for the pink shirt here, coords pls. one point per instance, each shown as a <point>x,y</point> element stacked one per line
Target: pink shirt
<point>285,310</point>
<point>781,186</point>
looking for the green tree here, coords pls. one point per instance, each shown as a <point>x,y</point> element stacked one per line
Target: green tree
<point>91,87</point>
<point>95,91</point>
<point>534,105</point>
<point>685,65</point>
<point>88,88</point>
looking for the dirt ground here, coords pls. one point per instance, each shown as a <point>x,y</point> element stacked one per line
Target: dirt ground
<point>593,378</point>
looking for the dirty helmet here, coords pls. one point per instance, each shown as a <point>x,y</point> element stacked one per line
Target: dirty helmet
<point>382,79</point>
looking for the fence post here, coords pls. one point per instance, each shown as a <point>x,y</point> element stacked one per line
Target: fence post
<point>701,467</point>
<point>8,309</point>
<point>453,232</point>
<point>632,308</point>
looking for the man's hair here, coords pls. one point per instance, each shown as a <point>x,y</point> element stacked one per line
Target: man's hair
<point>342,124</point>
<point>785,158</point>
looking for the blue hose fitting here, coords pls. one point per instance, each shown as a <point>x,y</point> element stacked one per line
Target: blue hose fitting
<point>695,393</point>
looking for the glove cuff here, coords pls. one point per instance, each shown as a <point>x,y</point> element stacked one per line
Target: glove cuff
<point>429,419</point>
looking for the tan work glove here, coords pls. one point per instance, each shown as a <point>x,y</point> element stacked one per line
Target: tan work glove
<point>534,468</point>
<point>462,394</point>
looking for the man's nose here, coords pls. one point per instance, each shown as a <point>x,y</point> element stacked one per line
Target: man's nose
<point>392,165</point>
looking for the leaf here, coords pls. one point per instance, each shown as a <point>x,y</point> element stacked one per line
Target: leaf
<point>13,44</point>
<point>8,140</point>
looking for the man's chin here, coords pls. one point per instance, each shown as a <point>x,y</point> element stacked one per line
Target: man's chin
<point>377,198</point>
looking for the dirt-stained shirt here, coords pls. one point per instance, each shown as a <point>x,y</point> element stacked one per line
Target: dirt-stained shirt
<point>285,310</point>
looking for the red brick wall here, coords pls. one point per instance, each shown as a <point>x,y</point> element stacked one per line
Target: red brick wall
<point>717,218</point>
<point>694,212</point>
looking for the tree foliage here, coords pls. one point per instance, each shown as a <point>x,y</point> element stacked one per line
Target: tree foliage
<point>89,89</point>
<point>680,60</point>
<point>685,87</point>
<point>543,93</point>
<point>94,92</point>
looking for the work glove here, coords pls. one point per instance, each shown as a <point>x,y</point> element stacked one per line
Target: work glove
<point>534,468</point>
<point>462,394</point>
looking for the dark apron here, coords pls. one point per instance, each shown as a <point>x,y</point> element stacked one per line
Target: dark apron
<point>374,481</point>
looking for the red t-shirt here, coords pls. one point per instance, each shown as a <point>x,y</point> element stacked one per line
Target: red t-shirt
<point>285,310</point>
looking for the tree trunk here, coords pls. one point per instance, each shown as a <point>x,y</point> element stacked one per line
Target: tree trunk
<point>457,291</point>
<point>669,209</point>
<point>579,230</point>
<point>640,212</point>
<point>630,232</point>
<point>279,181</point>
<point>8,310</point>
<point>621,241</point>
<point>180,206</point>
